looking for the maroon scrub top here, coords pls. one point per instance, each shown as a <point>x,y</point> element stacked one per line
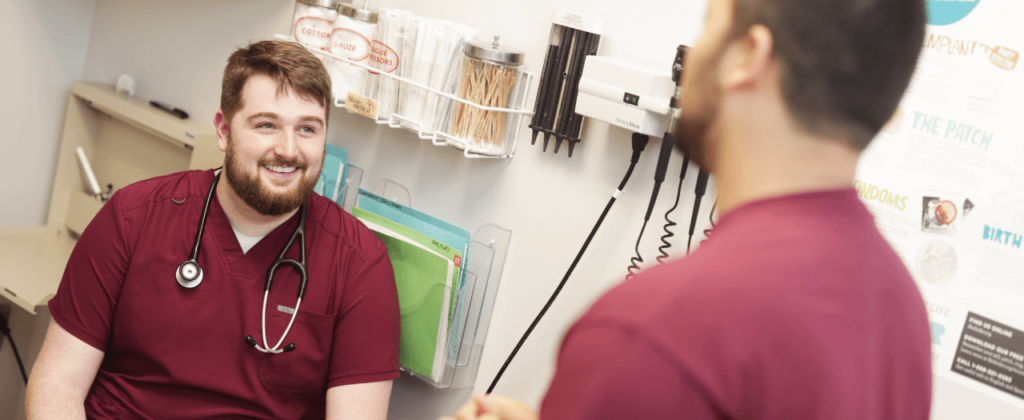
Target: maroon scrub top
<point>795,308</point>
<point>172,352</point>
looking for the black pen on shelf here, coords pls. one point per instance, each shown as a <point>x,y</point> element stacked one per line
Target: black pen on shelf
<point>173,111</point>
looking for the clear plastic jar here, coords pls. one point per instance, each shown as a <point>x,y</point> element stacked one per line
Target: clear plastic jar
<point>351,38</point>
<point>488,76</point>
<point>313,21</point>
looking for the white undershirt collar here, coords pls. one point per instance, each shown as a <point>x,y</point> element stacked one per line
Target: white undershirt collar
<point>246,242</point>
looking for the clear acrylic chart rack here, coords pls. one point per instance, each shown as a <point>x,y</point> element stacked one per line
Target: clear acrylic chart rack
<point>440,137</point>
<point>474,303</point>
<point>350,191</point>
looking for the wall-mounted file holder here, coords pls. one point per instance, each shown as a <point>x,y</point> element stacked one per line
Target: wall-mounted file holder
<point>474,299</point>
<point>393,191</point>
<point>437,132</point>
<point>349,193</point>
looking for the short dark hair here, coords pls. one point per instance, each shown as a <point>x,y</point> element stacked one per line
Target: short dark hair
<point>844,63</point>
<point>286,62</point>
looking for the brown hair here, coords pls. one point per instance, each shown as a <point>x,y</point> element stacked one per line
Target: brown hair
<point>286,62</point>
<point>844,64</point>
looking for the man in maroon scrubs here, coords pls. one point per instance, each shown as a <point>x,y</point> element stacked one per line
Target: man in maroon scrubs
<point>796,307</point>
<point>128,342</point>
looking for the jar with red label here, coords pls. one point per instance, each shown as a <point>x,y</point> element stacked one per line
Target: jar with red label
<point>351,39</point>
<point>313,22</point>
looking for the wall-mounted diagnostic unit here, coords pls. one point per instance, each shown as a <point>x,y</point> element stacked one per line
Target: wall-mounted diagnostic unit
<point>626,94</point>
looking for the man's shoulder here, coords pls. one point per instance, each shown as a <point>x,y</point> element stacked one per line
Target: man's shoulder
<point>696,287</point>
<point>777,278</point>
<point>178,186</point>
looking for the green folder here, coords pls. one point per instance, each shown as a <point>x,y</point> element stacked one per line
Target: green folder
<point>435,228</point>
<point>425,272</point>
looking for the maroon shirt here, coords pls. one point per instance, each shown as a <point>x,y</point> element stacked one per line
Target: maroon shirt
<point>172,352</point>
<point>795,308</point>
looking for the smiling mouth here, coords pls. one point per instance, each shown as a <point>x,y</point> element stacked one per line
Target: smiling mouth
<point>280,169</point>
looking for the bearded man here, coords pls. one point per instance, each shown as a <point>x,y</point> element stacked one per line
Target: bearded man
<point>130,341</point>
<point>796,307</point>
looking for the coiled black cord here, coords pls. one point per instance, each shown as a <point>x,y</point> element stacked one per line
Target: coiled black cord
<point>665,244</point>
<point>639,143</point>
<point>635,262</point>
<point>711,218</point>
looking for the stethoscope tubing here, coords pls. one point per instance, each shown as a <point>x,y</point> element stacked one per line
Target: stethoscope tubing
<point>275,349</point>
<point>202,218</point>
<point>300,232</point>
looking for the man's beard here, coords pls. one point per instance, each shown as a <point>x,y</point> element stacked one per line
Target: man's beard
<point>695,128</point>
<point>258,196</point>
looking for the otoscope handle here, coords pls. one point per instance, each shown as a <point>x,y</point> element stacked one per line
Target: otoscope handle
<point>659,172</point>
<point>663,155</point>
<point>702,183</point>
<point>702,187</point>
<point>669,140</point>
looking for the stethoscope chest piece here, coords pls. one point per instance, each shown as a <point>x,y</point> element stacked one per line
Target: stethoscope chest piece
<point>188,274</point>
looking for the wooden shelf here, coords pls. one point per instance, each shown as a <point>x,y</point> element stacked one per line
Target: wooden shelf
<point>140,114</point>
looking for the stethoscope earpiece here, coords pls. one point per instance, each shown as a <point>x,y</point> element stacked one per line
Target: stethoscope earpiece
<point>252,342</point>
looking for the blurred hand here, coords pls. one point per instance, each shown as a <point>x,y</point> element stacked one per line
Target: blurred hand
<point>493,407</point>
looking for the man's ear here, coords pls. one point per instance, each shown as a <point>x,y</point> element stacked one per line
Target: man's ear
<point>747,59</point>
<point>222,130</point>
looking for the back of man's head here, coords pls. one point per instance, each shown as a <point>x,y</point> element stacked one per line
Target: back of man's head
<point>843,64</point>
<point>286,62</point>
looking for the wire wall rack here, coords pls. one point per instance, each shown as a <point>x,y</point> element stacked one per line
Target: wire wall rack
<point>440,137</point>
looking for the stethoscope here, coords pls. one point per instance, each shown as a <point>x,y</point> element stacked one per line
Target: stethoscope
<point>189,274</point>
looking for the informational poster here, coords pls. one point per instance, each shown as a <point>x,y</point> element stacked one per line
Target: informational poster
<point>945,182</point>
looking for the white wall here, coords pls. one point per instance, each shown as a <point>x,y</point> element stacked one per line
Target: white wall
<point>43,44</point>
<point>177,51</point>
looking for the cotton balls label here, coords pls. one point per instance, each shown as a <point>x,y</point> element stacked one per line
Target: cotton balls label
<point>312,26</point>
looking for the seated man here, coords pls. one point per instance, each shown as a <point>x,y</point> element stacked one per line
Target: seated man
<point>128,340</point>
